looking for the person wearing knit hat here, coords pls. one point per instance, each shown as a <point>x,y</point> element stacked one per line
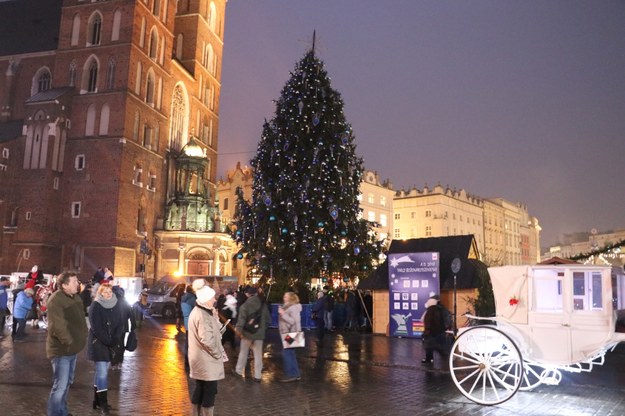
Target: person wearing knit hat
<point>197,284</point>
<point>433,331</point>
<point>206,355</point>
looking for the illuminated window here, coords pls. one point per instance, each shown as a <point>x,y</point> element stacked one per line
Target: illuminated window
<point>76,206</point>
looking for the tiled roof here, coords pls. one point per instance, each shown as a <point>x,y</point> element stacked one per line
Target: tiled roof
<point>10,130</point>
<point>48,95</point>
<point>29,26</point>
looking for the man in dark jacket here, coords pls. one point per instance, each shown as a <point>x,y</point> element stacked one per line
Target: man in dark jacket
<point>67,336</point>
<point>318,310</point>
<point>252,338</point>
<point>433,331</point>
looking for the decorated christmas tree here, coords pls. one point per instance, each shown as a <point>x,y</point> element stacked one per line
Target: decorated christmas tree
<point>304,218</point>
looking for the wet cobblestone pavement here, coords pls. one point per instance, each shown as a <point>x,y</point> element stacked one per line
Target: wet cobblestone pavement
<point>352,374</point>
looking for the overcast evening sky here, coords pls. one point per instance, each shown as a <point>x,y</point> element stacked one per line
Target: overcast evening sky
<point>523,100</point>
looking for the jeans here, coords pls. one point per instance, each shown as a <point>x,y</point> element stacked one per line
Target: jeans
<point>327,317</point>
<point>289,360</point>
<point>19,327</point>
<point>244,351</point>
<point>62,377</point>
<point>100,380</point>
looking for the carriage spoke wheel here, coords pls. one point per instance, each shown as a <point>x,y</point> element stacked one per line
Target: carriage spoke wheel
<point>532,376</point>
<point>486,365</point>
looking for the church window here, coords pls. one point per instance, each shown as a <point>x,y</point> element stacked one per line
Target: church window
<point>212,16</point>
<point>153,46</point>
<point>43,83</point>
<point>75,30</point>
<point>179,42</point>
<point>156,8</point>
<point>110,74</point>
<point>90,121</point>
<point>104,120</point>
<point>179,119</point>
<point>95,29</point>
<point>117,19</point>
<point>149,88</point>
<point>76,206</point>
<point>72,74</point>
<point>138,176</point>
<point>79,162</point>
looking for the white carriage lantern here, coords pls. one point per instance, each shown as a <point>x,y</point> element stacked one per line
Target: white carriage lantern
<point>549,319</point>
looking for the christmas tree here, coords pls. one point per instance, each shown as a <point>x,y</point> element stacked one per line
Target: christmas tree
<point>304,218</point>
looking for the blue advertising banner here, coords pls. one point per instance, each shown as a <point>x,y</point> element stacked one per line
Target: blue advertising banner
<point>413,279</point>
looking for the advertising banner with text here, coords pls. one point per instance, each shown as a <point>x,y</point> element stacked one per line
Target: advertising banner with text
<point>413,278</point>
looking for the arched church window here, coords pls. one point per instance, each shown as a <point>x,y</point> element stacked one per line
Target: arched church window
<point>95,29</point>
<point>43,83</point>
<point>179,119</point>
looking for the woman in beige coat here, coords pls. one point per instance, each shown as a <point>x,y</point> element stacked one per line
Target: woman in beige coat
<point>205,352</point>
<point>290,320</point>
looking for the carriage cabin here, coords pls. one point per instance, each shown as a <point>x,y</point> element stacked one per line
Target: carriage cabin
<point>560,314</point>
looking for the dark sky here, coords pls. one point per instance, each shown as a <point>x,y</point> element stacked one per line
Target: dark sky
<point>523,100</point>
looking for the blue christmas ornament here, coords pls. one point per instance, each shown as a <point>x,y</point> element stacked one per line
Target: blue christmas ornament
<point>315,120</point>
<point>320,224</point>
<point>240,256</point>
<point>334,212</point>
<point>343,232</point>
<point>285,230</point>
<point>267,200</point>
<point>272,218</point>
<point>356,250</point>
<point>345,139</point>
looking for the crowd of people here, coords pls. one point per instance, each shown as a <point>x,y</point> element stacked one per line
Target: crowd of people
<point>95,317</point>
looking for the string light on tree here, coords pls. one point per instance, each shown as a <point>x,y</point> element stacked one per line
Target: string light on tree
<point>304,215</point>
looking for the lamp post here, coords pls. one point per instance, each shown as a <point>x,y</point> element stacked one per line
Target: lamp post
<point>456,263</point>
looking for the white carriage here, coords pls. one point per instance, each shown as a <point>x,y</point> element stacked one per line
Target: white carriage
<point>549,319</point>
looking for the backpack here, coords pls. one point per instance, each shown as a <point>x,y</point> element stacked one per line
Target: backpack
<point>254,320</point>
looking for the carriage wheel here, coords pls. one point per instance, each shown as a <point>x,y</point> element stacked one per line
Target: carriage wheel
<point>532,376</point>
<point>486,365</point>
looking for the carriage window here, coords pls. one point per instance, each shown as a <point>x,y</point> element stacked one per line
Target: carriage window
<point>547,291</point>
<point>587,291</point>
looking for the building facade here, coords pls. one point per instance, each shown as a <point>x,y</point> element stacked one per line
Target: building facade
<point>376,202</point>
<point>584,243</point>
<point>438,212</point>
<point>504,232</point>
<point>109,117</point>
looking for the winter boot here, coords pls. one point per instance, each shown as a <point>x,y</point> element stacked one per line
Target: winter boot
<point>207,411</point>
<point>96,400</point>
<point>104,404</point>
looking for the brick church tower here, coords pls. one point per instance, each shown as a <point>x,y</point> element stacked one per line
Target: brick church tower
<point>108,121</point>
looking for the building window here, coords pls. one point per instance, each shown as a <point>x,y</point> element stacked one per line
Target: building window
<point>153,47</point>
<point>212,16</point>
<point>428,213</point>
<point>383,201</point>
<point>413,215</point>
<point>95,29</point>
<point>179,42</point>
<point>43,83</point>
<point>371,216</point>
<point>383,220</point>
<point>110,74</point>
<point>152,182</point>
<point>428,230</point>
<point>79,162</point>
<point>156,8</point>
<point>5,153</point>
<point>117,20</point>
<point>135,129</point>
<point>72,74</point>
<point>149,88</point>
<point>90,121</point>
<point>55,184</point>
<point>397,216</point>
<point>76,206</point>
<point>142,34</point>
<point>138,179</point>
<point>396,233</point>
<point>370,198</point>
<point>105,113</point>
<point>147,136</point>
<point>75,30</point>
<point>92,77</point>
<point>26,254</point>
<point>28,215</point>
<point>226,204</point>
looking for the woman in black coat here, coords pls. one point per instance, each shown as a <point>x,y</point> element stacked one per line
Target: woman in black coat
<point>106,341</point>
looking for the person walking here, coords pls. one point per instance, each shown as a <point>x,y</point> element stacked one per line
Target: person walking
<point>329,311</point>
<point>22,306</point>
<point>67,336</point>
<point>252,322</point>
<point>433,331</point>
<point>290,320</point>
<point>106,341</point>
<point>206,358</point>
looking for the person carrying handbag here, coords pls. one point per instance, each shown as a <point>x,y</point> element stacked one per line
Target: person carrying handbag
<point>106,341</point>
<point>290,327</point>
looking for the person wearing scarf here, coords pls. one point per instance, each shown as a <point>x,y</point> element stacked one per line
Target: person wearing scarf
<point>106,339</point>
<point>206,355</point>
